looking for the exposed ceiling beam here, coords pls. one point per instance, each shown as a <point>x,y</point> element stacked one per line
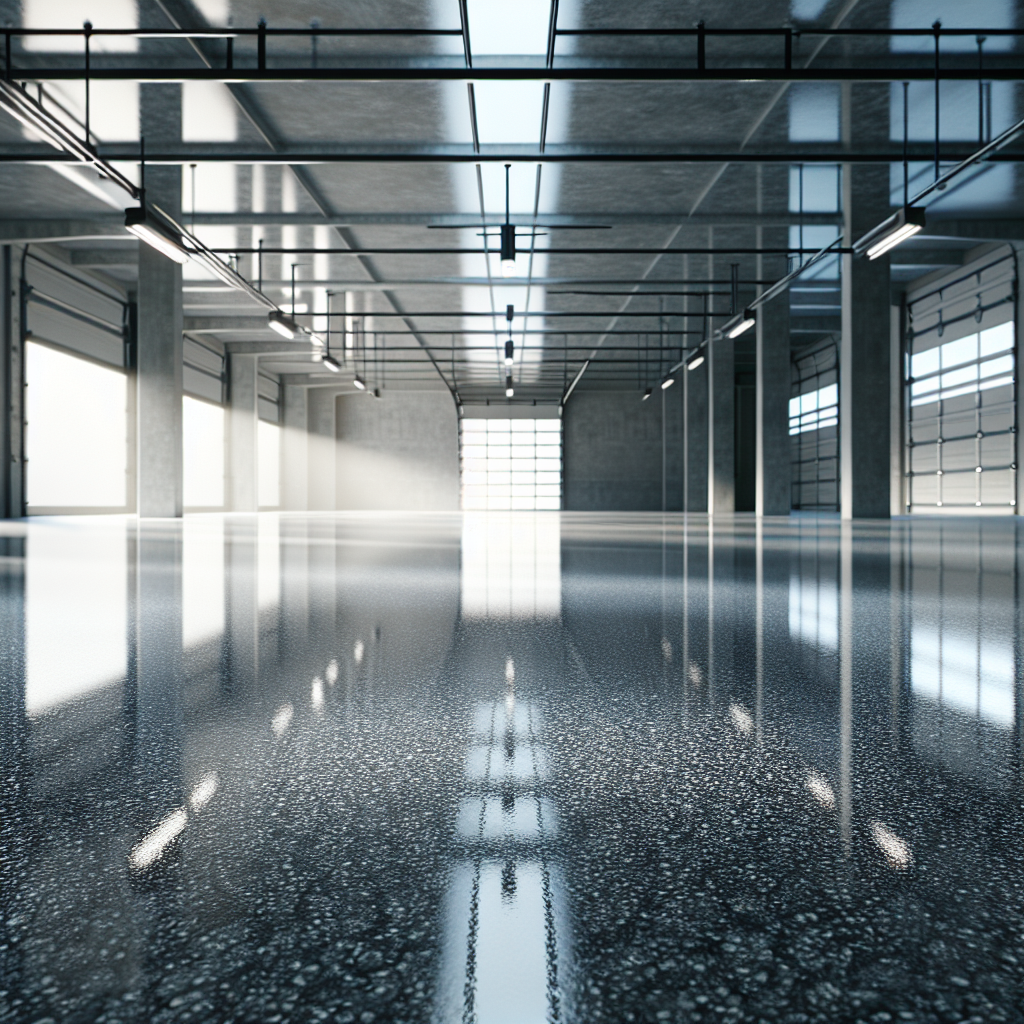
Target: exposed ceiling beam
<point>465,220</point>
<point>881,68</point>
<point>312,154</point>
<point>17,232</point>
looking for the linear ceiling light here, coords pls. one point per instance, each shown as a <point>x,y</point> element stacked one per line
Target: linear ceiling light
<point>33,115</point>
<point>331,363</point>
<point>151,231</point>
<point>647,394</point>
<point>282,324</point>
<point>903,224</point>
<point>359,383</point>
<point>743,324</point>
<point>695,361</point>
<point>509,389</point>
<point>667,383</point>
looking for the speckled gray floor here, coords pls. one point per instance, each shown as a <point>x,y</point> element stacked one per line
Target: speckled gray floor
<point>577,768</point>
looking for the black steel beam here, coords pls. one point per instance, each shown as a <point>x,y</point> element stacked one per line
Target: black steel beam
<point>421,73</point>
<point>453,153</point>
<point>588,251</point>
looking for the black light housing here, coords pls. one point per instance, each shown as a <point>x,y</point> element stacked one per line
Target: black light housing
<point>508,250</point>
<point>153,232</point>
<point>903,224</point>
<point>510,350</point>
<point>282,324</point>
<point>509,389</point>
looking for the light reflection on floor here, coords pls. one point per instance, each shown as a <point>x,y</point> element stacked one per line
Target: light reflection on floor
<point>511,768</point>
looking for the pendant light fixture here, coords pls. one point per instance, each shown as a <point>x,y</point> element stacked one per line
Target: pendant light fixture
<point>903,224</point>
<point>509,389</point>
<point>149,229</point>
<point>743,324</point>
<point>279,322</point>
<point>508,237</point>
<point>359,383</point>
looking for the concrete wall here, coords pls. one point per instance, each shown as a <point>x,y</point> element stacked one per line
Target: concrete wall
<point>612,451</point>
<point>401,452</point>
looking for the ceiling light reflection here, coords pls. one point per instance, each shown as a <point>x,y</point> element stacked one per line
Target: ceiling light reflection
<point>821,790</point>
<point>282,720</point>
<point>203,792</point>
<point>317,694</point>
<point>895,850</point>
<point>332,671</point>
<point>153,845</point>
<point>741,719</point>
<point>357,652</point>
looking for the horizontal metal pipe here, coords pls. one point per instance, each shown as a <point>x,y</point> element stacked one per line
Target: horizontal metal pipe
<point>205,153</point>
<point>588,251</point>
<point>668,73</point>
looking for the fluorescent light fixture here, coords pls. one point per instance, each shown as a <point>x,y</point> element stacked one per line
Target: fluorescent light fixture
<point>647,394</point>
<point>696,361</point>
<point>359,383</point>
<point>903,224</point>
<point>667,383</point>
<point>510,350</point>
<point>282,324</point>
<point>332,364</point>
<point>314,338</point>
<point>508,250</point>
<point>742,325</point>
<point>509,389</point>
<point>149,230</point>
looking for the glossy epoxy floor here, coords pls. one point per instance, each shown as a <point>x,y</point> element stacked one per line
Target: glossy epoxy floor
<point>511,769</point>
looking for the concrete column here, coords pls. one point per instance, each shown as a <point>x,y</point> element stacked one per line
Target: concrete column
<point>864,354</point>
<point>158,365</point>
<point>695,440</point>
<point>295,448</point>
<point>323,449</point>
<point>865,347</point>
<point>897,497</point>
<point>721,376</point>
<point>242,422</point>
<point>771,455</point>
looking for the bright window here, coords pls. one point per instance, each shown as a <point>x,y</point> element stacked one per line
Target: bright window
<point>202,430</point>
<point>268,442</point>
<point>975,363</point>
<point>815,410</point>
<point>511,464</point>
<point>76,440</point>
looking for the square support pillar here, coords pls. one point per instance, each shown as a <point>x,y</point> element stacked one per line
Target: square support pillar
<point>295,448</point>
<point>772,457</point>
<point>323,449</point>
<point>159,357</point>
<point>159,386</point>
<point>721,376</point>
<point>695,440</point>
<point>243,462</point>
<point>864,354</point>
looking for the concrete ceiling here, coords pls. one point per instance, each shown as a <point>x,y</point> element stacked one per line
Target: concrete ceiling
<point>409,318</point>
